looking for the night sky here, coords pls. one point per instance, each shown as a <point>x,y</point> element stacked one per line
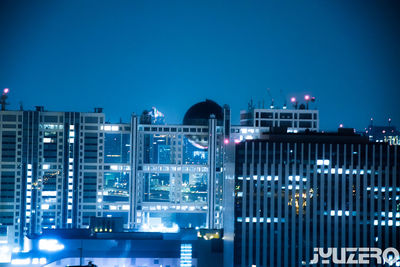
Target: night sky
<point>127,56</point>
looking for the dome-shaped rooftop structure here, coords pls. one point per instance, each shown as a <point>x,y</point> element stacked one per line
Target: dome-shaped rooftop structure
<point>200,113</point>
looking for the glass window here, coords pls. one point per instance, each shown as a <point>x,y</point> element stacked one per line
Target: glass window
<point>195,149</point>
<point>158,149</point>
<point>194,187</point>
<point>156,187</point>
<point>305,116</point>
<point>116,186</point>
<point>116,148</point>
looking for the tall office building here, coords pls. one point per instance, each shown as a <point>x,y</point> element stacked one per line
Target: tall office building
<point>296,192</point>
<point>178,170</point>
<point>51,170</point>
<point>59,169</point>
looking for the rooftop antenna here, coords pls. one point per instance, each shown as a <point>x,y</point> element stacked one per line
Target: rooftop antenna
<point>389,121</point>
<point>21,106</point>
<point>3,100</point>
<point>284,99</point>
<point>309,98</point>
<point>272,100</point>
<point>250,105</point>
<point>294,101</point>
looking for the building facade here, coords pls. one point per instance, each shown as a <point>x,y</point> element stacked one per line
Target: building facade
<point>295,120</point>
<point>59,169</point>
<point>294,193</point>
<point>388,134</point>
<point>51,170</point>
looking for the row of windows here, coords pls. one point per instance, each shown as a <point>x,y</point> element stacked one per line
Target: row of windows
<point>173,129</point>
<point>300,124</point>
<point>286,115</point>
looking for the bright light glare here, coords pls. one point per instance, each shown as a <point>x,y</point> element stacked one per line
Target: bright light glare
<point>50,245</point>
<point>160,228</point>
<point>307,97</point>
<point>6,90</point>
<point>293,99</point>
<point>21,261</point>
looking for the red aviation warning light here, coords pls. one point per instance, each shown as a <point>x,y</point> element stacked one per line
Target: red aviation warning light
<point>6,90</point>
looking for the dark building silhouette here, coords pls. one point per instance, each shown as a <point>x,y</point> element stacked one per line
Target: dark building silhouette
<point>294,192</point>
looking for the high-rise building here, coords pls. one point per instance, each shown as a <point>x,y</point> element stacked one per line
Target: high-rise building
<point>59,169</point>
<point>297,192</point>
<point>51,170</point>
<point>178,170</point>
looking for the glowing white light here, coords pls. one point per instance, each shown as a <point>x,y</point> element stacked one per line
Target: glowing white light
<point>114,167</point>
<point>21,261</point>
<point>45,206</point>
<point>47,140</point>
<point>49,193</point>
<point>46,166</point>
<point>186,255</point>
<point>50,245</point>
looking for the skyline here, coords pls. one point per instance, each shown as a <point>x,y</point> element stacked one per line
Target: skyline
<point>130,56</point>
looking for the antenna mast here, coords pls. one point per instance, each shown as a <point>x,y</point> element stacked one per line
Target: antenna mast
<point>272,99</point>
<point>3,99</point>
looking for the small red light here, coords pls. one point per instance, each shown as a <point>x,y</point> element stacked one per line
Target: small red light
<point>293,99</point>
<point>226,141</point>
<point>307,97</point>
<point>6,90</point>
<point>341,125</point>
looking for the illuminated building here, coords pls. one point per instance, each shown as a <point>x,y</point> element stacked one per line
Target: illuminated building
<point>388,134</point>
<point>51,171</point>
<point>74,247</point>
<point>178,170</point>
<point>294,192</point>
<point>59,169</point>
<point>298,119</point>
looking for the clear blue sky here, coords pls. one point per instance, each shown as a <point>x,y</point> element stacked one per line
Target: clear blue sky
<point>126,56</point>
